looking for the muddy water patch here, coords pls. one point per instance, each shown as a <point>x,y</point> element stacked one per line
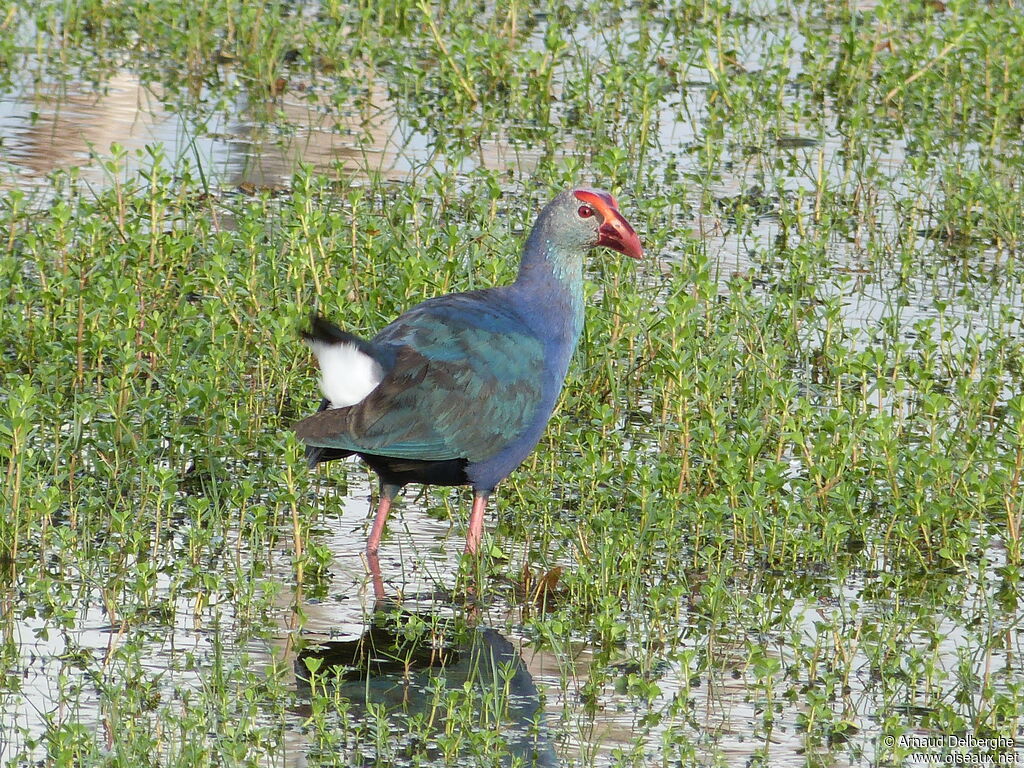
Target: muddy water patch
<point>77,125</point>
<point>251,144</point>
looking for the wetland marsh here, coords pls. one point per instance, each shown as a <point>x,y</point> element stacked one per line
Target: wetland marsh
<point>776,518</point>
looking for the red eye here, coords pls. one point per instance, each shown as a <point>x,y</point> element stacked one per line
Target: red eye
<point>585,212</point>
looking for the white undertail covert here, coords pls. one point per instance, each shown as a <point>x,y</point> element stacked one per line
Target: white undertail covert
<point>347,375</point>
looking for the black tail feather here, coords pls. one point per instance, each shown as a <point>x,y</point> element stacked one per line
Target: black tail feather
<point>317,455</point>
<point>323,330</point>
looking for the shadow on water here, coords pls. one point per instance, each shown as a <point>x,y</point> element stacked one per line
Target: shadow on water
<point>418,670</point>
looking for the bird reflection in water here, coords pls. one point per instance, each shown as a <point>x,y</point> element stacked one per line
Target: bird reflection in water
<point>420,671</point>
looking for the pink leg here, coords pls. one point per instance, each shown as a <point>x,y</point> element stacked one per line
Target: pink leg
<point>387,494</point>
<point>378,581</point>
<point>476,523</point>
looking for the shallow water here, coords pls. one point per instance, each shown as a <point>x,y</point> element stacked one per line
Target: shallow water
<point>719,717</point>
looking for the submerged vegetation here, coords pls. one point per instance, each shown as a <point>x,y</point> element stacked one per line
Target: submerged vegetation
<point>776,518</point>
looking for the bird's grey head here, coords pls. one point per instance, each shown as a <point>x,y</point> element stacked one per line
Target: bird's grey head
<point>584,217</point>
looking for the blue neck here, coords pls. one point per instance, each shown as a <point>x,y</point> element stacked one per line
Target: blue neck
<point>550,289</point>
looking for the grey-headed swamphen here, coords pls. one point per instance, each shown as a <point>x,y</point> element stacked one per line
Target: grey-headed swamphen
<point>458,390</point>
